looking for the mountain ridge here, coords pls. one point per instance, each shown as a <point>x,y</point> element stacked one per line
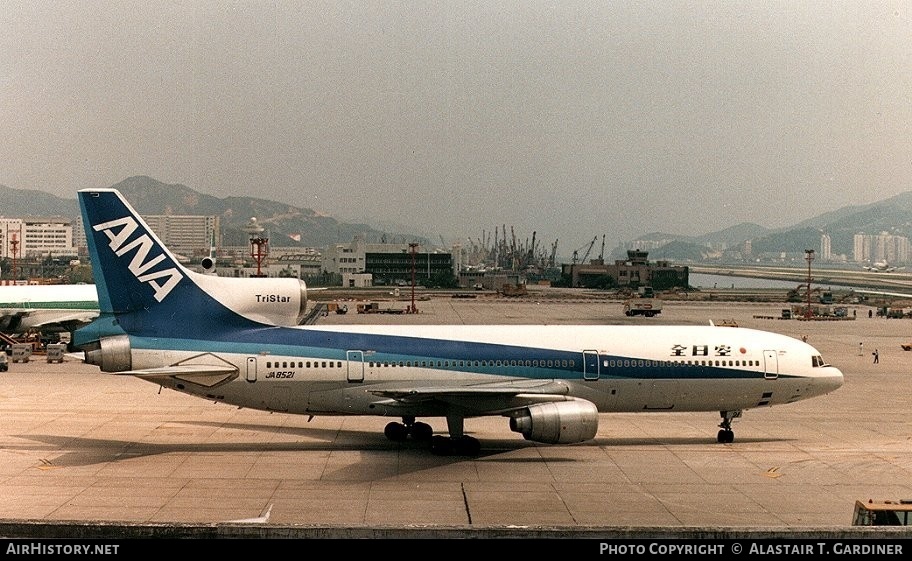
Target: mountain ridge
<point>287,225</point>
<point>297,226</point>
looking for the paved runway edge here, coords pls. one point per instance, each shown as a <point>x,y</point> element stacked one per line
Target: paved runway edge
<point>86,455</point>
<point>101,530</point>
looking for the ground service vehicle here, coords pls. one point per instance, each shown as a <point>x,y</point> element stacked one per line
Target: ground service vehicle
<point>883,513</point>
<point>648,307</point>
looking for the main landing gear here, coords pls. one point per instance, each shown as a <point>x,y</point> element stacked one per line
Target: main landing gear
<point>726,435</point>
<point>457,444</point>
<point>397,432</point>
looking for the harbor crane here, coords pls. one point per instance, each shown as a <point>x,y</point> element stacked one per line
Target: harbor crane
<point>585,255</point>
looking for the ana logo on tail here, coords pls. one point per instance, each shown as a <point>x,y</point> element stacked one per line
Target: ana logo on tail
<point>140,264</point>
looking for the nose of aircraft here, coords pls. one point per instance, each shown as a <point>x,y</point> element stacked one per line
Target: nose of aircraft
<point>830,380</point>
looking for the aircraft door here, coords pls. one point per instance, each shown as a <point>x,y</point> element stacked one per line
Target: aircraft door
<point>355,366</point>
<point>662,395</point>
<point>251,369</point>
<point>590,365</point>
<point>770,365</point>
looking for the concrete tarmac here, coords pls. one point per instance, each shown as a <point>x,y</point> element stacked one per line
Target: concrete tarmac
<point>79,446</point>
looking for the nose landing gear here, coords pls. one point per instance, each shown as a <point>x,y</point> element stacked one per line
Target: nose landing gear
<point>726,435</point>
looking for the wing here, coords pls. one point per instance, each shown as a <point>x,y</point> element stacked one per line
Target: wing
<point>9,319</point>
<point>494,398</point>
<point>23,319</point>
<point>70,318</point>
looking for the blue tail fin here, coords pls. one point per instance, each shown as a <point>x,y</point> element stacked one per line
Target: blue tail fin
<point>139,280</point>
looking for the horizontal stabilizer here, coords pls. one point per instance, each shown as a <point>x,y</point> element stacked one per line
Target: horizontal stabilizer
<point>201,374</point>
<point>181,370</point>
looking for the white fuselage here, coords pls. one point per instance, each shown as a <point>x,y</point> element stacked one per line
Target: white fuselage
<point>618,368</point>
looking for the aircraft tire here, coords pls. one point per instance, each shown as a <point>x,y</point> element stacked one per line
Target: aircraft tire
<point>441,445</point>
<point>422,431</point>
<point>395,432</point>
<point>448,446</point>
<point>726,436</point>
<point>468,446</point>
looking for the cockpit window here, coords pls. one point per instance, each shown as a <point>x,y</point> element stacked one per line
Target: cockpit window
<point>817,361</point>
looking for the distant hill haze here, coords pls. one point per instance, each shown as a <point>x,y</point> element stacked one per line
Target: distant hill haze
<point>287,225</point>
<point>893,215</point>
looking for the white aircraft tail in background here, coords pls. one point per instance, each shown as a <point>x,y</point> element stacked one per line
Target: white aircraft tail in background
<point>161,323</point>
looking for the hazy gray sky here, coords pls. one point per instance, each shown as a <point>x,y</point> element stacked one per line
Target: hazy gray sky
<point>573,119</point>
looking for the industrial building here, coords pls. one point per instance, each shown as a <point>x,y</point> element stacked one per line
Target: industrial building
<point>357,280</point>
<point>389,264</point>
<point>36,237</point>
<point>400,267</point>
<point>309,263</point>
<point>189,236</point>
<point>489,279</point>
<point>634,272</point>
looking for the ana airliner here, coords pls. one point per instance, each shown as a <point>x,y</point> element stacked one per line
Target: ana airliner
<point>550,382</point>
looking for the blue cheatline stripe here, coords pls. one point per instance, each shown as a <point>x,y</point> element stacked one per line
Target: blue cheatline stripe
<point>385,348</point>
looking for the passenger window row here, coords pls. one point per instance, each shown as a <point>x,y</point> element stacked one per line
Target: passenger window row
<point>484,363</point>
<point>305,364</point>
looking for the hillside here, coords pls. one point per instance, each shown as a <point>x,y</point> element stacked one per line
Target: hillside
<point>287,225</point>
<point>291,225</point>
<point>22,202</point>
<point>893,215</point>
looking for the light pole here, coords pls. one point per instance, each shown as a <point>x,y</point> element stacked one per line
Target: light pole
<point>259,246</point>
<point>413,247</point>
<point>809,257</point>
<point>14,248</point>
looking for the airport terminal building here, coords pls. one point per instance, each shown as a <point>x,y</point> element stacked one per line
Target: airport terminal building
<point>631,273</point>
<point>389,264</point>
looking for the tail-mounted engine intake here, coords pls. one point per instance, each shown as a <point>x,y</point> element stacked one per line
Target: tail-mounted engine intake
<point>208,265</point>
<point>112,354</point>
<point>277,301</point>
<point>558,422</point>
